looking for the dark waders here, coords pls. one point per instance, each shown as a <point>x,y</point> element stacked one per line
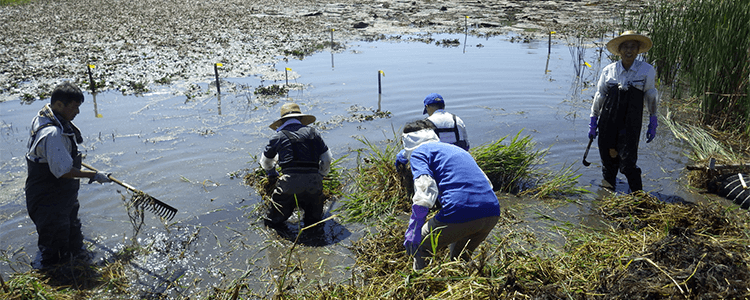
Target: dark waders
<point>53,205</point>
<point>619,132</point>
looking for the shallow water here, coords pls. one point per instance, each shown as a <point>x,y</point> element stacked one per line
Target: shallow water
<point>183,150</point>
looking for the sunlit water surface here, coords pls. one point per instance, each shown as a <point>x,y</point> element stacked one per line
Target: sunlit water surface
<point>184,151</point>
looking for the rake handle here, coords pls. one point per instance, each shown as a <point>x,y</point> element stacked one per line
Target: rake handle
<point>125,185</point>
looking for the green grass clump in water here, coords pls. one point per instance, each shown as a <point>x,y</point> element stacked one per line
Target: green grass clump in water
<point>378,189</point>
<point>507,166</point>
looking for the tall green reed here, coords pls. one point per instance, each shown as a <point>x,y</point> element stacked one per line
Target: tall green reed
<point>704,45</point>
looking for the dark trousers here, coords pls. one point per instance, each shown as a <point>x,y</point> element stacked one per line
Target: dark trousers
<point>303,190</point>
<point>58,227</point>
<point>623,158</point>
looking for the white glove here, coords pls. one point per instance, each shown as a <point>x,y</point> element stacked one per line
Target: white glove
<point>101,177</point>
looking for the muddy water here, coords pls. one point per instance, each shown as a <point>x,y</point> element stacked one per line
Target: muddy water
<point>185,150</point>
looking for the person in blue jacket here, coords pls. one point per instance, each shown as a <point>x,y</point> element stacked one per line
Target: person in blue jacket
<point>447,176</point>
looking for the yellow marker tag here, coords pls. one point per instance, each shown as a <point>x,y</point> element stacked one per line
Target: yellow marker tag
<point>219,64</point>
<point>99,116</point>
<point>381,72</point>
<point>587,64</point>
<point>288,69</point>
<point>553,32</point>
<point>333,29</point>
<point>467,17</point>
<point>92,66</point>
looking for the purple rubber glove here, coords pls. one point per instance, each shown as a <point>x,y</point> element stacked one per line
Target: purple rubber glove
<point>592,128</point>
<point>651,132</point>
<point>414,231</point>
<point>400,159</point>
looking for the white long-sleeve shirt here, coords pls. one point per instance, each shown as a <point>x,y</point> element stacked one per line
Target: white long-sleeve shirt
<point>641,75</point>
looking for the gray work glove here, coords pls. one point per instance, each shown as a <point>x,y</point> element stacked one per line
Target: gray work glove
<point>100,177</point>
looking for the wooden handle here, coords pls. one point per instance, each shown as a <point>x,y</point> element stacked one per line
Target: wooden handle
<point>125,185</point>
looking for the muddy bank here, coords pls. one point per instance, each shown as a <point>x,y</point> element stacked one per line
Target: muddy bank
<point>137,44</point>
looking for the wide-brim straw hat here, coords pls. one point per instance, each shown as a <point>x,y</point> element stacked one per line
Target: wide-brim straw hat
<point>614,45</point>
<point>291,110</point>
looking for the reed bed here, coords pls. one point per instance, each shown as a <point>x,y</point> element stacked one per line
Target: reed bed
<point>704,45</point>
<point>649,250</point>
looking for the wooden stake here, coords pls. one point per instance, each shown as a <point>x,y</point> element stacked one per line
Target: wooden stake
<point>91,78</point>
<point>216,72</point>
<point>380,90</point>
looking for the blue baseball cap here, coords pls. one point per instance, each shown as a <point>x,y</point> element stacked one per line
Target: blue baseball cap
<point>432,99</point>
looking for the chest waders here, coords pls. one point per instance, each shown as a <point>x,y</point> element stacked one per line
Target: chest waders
<point>453,130</point>
<point>619,132</point>
<point>301,186</point>
<point>53,206</point>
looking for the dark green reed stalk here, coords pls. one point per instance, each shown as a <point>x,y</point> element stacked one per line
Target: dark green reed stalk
<point>704,45</point>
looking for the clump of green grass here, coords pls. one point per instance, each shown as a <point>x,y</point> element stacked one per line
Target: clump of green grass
<point>556,183</point>
<point>378,188</point>
<point>508,166</point>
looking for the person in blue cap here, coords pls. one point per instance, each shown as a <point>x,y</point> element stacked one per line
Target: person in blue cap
<point>447,177</point>
<point>624,88</point>
<point>449,127</point>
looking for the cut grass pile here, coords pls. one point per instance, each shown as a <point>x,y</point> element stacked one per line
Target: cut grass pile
<point>650,250</point>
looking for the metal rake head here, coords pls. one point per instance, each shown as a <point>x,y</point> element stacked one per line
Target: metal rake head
<point>157,207</point>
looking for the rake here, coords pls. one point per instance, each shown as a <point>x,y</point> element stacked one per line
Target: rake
<point>146,201</point>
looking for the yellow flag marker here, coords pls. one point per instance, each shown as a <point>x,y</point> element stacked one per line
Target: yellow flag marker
<point>288,69</point>
<point>381,72</point>
<point>553,32</point>
<point>92,66</point>
<point>219,64</point>
<point>99,116</point>
<point>587,64</point>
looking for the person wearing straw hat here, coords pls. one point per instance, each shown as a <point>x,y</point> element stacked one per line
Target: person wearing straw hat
<point>54,168</point>
<point>447,177</point>
<point>624,88</point>
<point>304,159</point>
